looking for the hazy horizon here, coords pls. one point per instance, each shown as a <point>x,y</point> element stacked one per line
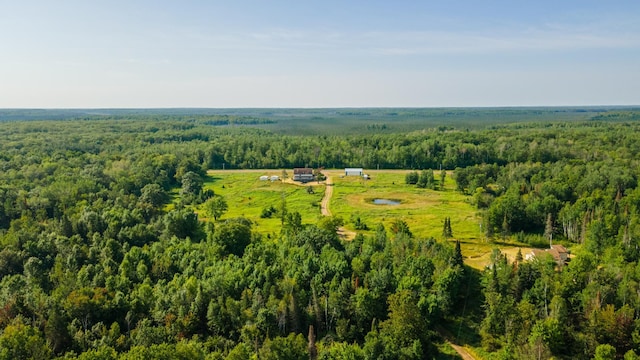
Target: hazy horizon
<point>173,108</point>
<point>282,54</point>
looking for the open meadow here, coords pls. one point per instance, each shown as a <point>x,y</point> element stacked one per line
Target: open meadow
<point>248,196</point>
<point>424,210</point>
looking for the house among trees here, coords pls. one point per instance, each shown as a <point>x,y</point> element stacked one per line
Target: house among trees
<point>303,174</point>
<point>558,252</point>
<point>353,172</point>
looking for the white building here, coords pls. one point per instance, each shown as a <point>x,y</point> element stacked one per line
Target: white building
<point>353,172</point>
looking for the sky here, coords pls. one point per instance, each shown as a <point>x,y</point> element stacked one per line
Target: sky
<point>239,54</point>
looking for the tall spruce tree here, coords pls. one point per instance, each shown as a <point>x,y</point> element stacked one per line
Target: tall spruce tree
<point>457,256</point>
<point>446,230</point>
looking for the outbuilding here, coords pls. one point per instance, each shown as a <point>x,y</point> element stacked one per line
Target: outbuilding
<point>353,172</point>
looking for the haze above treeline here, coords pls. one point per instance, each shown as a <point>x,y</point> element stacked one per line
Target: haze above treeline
<point>307,121</point>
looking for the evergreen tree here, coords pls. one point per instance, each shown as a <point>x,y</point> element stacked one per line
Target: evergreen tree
<point>400,227</point>
<point>457,256</point>
<point>446,231</point>
<point>519,257</point>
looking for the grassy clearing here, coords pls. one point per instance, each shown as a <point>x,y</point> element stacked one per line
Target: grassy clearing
<point>247,195</point>
<point>424,210</point>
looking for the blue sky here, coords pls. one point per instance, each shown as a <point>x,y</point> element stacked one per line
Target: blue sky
<point>92,54</point>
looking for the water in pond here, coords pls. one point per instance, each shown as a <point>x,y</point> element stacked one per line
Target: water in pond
<point>386,202</point>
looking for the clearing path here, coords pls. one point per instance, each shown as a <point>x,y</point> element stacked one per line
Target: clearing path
<point>324,209</point>
<point>328,193</point>
<point>448,337</point>
<point>461,351</point>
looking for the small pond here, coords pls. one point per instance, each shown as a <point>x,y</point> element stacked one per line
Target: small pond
<point>386,202</point>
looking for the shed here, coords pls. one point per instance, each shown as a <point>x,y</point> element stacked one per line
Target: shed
<point>353,171</point>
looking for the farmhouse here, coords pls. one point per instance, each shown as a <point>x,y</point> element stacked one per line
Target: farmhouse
<point>303,174</point>
<point>353,172</point>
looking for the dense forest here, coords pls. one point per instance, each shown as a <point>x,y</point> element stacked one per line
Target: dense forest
<point>95,265</point>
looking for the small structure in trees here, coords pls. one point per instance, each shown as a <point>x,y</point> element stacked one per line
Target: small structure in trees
<point>558,252</point>
<point>303,174</point>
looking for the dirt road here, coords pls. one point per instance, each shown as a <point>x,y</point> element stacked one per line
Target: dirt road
<point>328,193</point>
<point>324,209</point>
<point>448,337</point>
<point>464,354</point>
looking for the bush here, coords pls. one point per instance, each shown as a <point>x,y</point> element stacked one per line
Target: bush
<point>268,212</point>
<point>412,178</point>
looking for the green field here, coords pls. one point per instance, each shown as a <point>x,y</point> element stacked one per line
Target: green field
<point>424,210</point>
<point>247,196</point>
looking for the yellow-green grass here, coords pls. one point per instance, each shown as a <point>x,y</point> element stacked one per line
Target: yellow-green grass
<point>424,210</point>
<point>247,195</point>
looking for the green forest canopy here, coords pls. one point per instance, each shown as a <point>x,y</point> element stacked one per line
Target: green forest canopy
<point>93,266</point>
